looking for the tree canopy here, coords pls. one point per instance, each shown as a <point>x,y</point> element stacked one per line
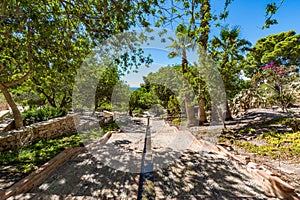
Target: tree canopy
<point>43,43</point>
<point>281,48</point>
<point>228,51</point>
<point>49,39</point>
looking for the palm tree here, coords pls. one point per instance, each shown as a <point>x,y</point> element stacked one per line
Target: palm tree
<point>227,50</point>
<point>180,47</point>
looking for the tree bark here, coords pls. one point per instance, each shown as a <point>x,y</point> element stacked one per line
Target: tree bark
<point>201,112</point>
<point>190,112</point>
<point>203,41</point>
<point>228,115</point>
<point>50,100</point>
<point>16,113</point>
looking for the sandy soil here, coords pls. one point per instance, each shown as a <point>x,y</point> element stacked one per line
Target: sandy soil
<point>183,169</point>
<point>286,168</point>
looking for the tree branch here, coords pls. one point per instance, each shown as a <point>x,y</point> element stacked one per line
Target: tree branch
<point>15,82</point>
<point>1,67</point>
<point>7,75</point>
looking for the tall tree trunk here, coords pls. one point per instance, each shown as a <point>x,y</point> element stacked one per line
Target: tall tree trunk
<point>205,17</point>
<point>16,113</point>
<point>190,112</point>
<point>201,113</point>
<point>228,115</point>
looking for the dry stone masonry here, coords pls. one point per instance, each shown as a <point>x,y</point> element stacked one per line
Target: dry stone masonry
<point>43,130</point>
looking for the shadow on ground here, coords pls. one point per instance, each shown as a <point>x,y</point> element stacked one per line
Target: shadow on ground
<point>192,175</point>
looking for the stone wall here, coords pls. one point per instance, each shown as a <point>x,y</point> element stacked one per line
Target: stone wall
<point>43,130</point>
<point>7,125</point>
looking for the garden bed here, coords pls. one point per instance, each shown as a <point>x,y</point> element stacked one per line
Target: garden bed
<point>16,164</point>
<point>273,141</point>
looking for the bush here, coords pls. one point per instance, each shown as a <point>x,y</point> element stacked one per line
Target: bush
<point>37,115</point>
<point>30,158</point>
<point>294,124</point>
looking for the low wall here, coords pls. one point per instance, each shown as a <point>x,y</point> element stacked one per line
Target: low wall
<point>43,130</point>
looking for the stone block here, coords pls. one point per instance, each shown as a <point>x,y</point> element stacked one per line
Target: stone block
<point>43,130</point>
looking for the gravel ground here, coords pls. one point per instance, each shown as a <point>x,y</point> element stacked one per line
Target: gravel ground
<point>183,169</point>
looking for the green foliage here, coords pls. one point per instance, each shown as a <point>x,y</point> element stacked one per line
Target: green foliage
<point>166,82</point>
<point>273,65</point>
<point>227,51</point>
<point>106,84</point>
<point>45,42</point>
<point>248,98</point>
<point>271,9</point>
<point>180,46</point>
<point>104,105</point>
<point>294,124</point>
<point>283,100</point>
<point>168,86</point>
<point>280,120</point>
<point>31,157</point>
<point>94,135</point>
<point>173,106</point>
<point>279,79</point>
<point>37,115</point>
<point>28,98</point>
<point>276,145</point>
<point>176,121</point>
<point>157,110</point>
<point>248,130</point>
<point>276,80</point>
<point>142,98</point>
<point>280,48</point>
<point>121,97</point>
<point>109,127</point>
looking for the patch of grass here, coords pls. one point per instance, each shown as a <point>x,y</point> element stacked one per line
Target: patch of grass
<point>92,135</point>
<point>176,121</point>
<point>248,130</point>
<point>110,127</point>
<point>292,123</point>
<point>276,145</point>
<point>221,139</point>
<point>31,157</point>
<point>280,120</point>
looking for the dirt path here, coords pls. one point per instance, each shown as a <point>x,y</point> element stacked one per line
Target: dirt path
<point>188,169</point>
<point>184,168</point>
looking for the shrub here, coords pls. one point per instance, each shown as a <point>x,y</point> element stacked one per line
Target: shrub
<point>247,99</point>
<point>294,124</point>
<point>278,80</point>
<point>30,158</point>
<point>176,121</point>
<point>37,115</point>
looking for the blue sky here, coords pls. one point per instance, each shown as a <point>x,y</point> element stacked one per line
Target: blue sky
<point>248,15</point>
<point>160,57</point>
